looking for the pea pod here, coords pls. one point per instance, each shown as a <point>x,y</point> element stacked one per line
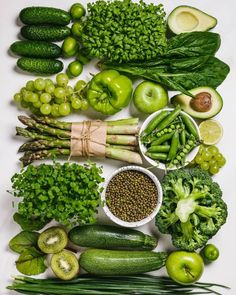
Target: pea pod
<point>157,156</point>
<point>183,137</point>
<point>190,126</point>
<point>169,119</point>
<point>163,138</point>
<point>154,122</point>
<point>159,148</point>
<point>174,146</point>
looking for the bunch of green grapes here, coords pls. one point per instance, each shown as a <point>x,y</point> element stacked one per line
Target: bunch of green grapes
<point>43,96</point>
<point>209,158</point>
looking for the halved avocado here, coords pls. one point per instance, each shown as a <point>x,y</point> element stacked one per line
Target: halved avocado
<point>185,19</point>
<point>206,104</point>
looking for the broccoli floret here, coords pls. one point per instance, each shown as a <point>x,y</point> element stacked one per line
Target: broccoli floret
<point>192,210</point>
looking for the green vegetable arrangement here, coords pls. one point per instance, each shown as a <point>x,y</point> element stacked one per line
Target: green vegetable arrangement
<point>192,210</point>
<point>124,31</point>
<point>64,192</point>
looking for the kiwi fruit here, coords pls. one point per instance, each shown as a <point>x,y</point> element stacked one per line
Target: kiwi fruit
<point>52,240</point>
<point>65,265</point>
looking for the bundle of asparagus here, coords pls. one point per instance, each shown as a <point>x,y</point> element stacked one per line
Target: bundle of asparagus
<point>50,138</point>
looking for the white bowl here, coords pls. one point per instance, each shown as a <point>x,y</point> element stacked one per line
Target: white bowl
<point>140,222</point>
<point>160,165</point>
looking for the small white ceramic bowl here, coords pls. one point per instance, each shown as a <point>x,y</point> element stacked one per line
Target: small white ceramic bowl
<point>160,165</point>
<point>148,218</point>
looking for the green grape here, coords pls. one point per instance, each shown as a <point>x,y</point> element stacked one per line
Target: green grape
<point>212,162</point>
<point>76,103</point>
<point>75,68</point>
<point>37,104</point>
<point>221,162</point>
<point>80,85</point>
<point>201,149</point>
<point>62,79</point>
<point>26,95</point>
<point>198,159</point>
<point>214,169</point>
<point>23,90</point>
<point>213,150</point>
<point>59,92</point>
<point>69,90</point>
<point>24,104</point>
<point>39,84</point>
<point>45,97</point>
<point>85,105</point>
<point>34,110</point>
<point>50,88</point>
<point>218,157</point>
<point>48,82</point>
<point>45,109</point>
<point>55,110</point>
<point>33,97</point>
<point>30,85</point>
<point>64,109</point>
<point>205,166</point>
<point>206,155</point>
<point>17,97</point>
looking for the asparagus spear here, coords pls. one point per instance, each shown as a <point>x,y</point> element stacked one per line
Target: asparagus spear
<point>31,134</point>
<point>122,139</point>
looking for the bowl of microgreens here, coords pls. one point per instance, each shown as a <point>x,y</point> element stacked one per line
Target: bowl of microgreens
<point>169,139</point>
<point>132,196</point>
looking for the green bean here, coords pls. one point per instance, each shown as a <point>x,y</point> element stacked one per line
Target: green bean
<point>157,156</point>
<point>158,148</point>
<point>154,122</point>
<point>169,119</point>
<point>173,146</point>
<point>190,126</point>
<point>163,138</point>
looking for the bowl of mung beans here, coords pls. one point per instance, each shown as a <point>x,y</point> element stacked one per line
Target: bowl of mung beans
<point>132,196</point>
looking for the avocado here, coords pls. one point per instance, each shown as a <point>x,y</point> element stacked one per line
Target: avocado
<point>206,104</point>
<point>185,19</point>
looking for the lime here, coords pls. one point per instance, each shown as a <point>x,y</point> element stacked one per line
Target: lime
<point>211,132</point>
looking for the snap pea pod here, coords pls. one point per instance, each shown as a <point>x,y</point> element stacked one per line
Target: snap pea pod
<point>183,137</point>
<point>154,122</point>
<point>189,126</point>
<point>158,148</point>
<point>163,138</point>
<point>169,119</point>
<point>157,156</point>
<point>173,146</point>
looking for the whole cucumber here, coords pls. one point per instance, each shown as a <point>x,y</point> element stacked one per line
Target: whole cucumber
<point>45,32</point>
<point>115,262</point>
<point>40,49</point>
<point>44,15</point>
<point>111,237</point>
<point>40,66</point>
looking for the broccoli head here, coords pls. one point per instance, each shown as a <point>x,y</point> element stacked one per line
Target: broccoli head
<point>192,210</point>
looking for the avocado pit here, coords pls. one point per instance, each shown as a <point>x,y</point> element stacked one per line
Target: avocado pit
<point>202,102</point>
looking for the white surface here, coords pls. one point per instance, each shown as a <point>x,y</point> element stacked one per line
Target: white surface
<point>223,270</point>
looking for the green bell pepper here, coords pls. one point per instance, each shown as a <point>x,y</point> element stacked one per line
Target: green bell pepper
<point>108,92</point>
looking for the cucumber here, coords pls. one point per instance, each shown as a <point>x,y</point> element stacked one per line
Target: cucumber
<point>40,49</point>
<point>44,15</point>
<point>115,262</point>
<point>40,66</point>
<point>45,32</point>
<point>110,237</point>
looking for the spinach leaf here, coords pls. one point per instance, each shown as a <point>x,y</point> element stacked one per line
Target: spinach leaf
<point>31,262</point>
<point>30,224</point>
<point>23,240</point>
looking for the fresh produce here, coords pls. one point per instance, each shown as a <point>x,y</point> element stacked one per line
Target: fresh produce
<point>50,33</point>
<point>115,262</point>
<point>211,132</point>
<point>210,252</point>
<point>53,138</point>
<point>111,237</point>
<point>87,284</point>
<point>150,97</point>
<point>29,224</point>
<point>188,19</point>
<point>44,15</point>
<point>65,265</point>
<point>188,63</point>
<point>206,103</point>
<point>41,49</point>
<point>134,39</point>
<point>70,46</point>
<point>192,210</point>
<point>77,11</point>
<point>184,267</point>
<point>77,29</point>
<point>169,137</point>
<point>46,190</point>
<point>209,158</point>
<point>108,92</point>
<point>40,65</point>
<point>52,240</point>
<point>75,68</point>
<point>23,241</point>
<point>131,195</point>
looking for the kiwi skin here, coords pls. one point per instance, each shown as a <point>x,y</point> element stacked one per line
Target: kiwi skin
<point>60,261</point>
<point>52,240</point>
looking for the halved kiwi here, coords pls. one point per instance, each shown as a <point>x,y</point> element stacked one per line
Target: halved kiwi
<point>52,240</point>
<point>65,265</point>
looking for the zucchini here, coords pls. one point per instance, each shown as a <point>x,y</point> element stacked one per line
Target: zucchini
<point>40,66</point>
<point>45,32</point>
<point>44,15</point>
<point>115,262</point>
<point>110,237</point>
<point>40,49</point>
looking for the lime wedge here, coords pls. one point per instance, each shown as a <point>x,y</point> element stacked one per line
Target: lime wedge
<point>211,132</point>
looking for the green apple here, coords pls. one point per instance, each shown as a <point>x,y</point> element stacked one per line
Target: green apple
<point>184,267</point>
<point>150,97</point>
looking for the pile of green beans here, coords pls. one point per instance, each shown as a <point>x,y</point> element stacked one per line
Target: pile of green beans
<point>170,137</point>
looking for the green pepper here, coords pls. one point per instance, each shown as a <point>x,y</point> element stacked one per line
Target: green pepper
<point>108,92</point>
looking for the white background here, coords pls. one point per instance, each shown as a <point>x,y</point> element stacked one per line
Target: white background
<point>223,270</point>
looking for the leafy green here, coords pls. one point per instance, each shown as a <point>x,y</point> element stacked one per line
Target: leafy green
<point>29,224</point>
<point>64,192</point>
<point>23,240</point>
